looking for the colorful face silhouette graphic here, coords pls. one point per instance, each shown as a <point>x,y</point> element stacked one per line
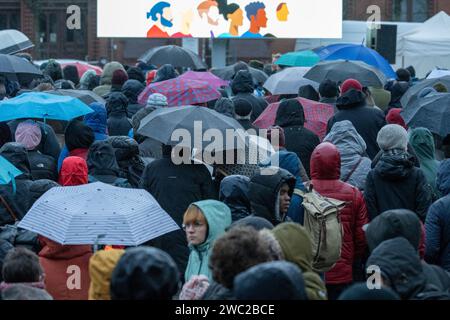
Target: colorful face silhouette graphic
<point>161,14</point>
<point>237,18</point>
<point>210,10</point>
<point>256,13</point>
<point>282,12</point>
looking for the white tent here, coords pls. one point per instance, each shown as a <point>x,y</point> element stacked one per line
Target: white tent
<point>427,46</point>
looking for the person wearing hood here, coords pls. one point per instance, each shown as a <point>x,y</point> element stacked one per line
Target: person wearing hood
<point>395,183</point>
<point>402,271</point>
<point>39,187</point>
<point>243,113</point>
<point>144,273</point>
<point>78,138</point>
<point>53,70</point>
<point>398,89</point>
<point>16,194</point>
<point>203,222</point>
<point>325,177</point>
<point>118,122</point>
<point>308,92</point>
<point>166,72</point>
<point>352,148</point>
<point>97,122</point>
<point>106,78</point>
<point>329,92</point>
<point>135,73</point>
<point>421,140</point>
<point>74,172</point>
<point>291,117</point>
<point>437,223</point>
<point>366,120</point>
<point>394,117</point>
<point>270,193</point>
<point>225,106</point>
<point>234,191</point>
<point>103,165</point>
<point>276,280</point>
<point>296,246</point>
<point>70,73</point>
<point>242,87</point>
<point>101,266</point>
<point>360,292</point>
<point>132,89</point>
<point>42,166</point>
<point>87,81</point>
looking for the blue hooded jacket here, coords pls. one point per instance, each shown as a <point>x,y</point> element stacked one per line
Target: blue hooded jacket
<point>97,122</point>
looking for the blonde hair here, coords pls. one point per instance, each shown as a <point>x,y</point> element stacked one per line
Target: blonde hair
<point>192,214</point>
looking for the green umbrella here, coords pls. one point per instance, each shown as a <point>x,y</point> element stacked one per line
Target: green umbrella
<point>307,58</point>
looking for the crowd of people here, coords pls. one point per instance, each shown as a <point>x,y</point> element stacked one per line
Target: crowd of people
<point>241,236</point>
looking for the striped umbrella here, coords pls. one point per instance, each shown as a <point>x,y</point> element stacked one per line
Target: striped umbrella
<point>98,213</point>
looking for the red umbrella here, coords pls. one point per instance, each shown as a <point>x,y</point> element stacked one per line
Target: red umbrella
<point>317,115</point>
<point>213,80</point>
<point>181,92</point>
<point>82,67</point>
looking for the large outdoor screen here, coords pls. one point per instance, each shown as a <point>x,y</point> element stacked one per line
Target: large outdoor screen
<point>220,18</point>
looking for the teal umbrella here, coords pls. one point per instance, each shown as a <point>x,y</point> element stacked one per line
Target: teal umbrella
<point>8,172</point>
<point>306,58</point>
<point>39,105</point>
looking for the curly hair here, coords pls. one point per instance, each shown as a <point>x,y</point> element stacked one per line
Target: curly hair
<point>236,251</point>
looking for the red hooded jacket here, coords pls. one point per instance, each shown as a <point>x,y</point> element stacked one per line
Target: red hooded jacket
<point>325,173</point>
<point>74,172</point>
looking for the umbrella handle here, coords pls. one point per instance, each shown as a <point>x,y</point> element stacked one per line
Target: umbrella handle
<point>13,182</point>
<point>96,241</point>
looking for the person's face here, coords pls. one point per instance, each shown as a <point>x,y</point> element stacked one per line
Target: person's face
<point>261,18</point>
<point>237,17</point>
<point>285,200</point>
<point>195,232</point>
<point>167,18</point>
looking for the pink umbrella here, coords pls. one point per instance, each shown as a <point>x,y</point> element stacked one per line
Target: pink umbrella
<point>181,92</point>
<point>316,114</point>
<point>213,80</point>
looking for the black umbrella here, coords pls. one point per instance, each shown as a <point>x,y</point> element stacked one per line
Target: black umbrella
<point>431,112</point>
<point>413,92</point>
<point>174,55</point>
<point>16,68</point>
<point>228,73</point>
<point>341,70</point>
<point>85,96</point>
<point>13,41</point>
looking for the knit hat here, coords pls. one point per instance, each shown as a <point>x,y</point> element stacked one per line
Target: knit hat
<point>351,84</point>
<point>242,108</point>
<point>119,78</point>
<point>28,133</point>
<point>328,89</point>
<point>157,100</point>
<point>392,136</point>
<point>394,117</point>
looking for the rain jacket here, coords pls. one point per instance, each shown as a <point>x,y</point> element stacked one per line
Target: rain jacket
<point>97,122</point>
<point>352,148</point>
<point>118,122</point>
<point>74,172</point>
<point>106,78</point>
<point>39,187</point>
<point>234,191</point>
<point>101,266</point>
<point>291,117</point>
<point>19,201</point>
<point>166,72</point>
<point>103,165</point>
<point>78,138</point>
<point>218,216</point>
<point>264,193</point>
<point>175,187</point>
<point>366,120</point>
<point>437,223</point>
<point>66,269</point>
<point>297,248</point>
<point>42,166</point>
<point>132,89</point>
<point>422,141</point>
<point>395,183</point>
<point>325,173</point>
<point>242,87</point>
<point>225,106</point>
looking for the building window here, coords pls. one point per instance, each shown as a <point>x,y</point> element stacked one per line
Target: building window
<point>48,27</point>
<point>10,20</point>
<point>410,10</point>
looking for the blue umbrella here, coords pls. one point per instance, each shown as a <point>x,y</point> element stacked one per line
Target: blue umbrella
<point>8,172</point>
<point>347,51</point>
<point>39,105</point>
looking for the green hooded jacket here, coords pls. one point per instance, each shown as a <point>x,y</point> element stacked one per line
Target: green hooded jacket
<point>297,248</point>
<point>106,78</point>
<point>218,216</point>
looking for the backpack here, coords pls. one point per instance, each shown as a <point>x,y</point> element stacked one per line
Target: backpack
<point>322,222</point>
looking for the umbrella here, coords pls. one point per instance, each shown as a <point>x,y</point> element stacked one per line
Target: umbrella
<point>14,67</point>
<point>7,171</point>
<point>213,80</point>
<point>316,116</point>
<point>40,105</point>
<point>13,41</point>
<point>174,55</point>
<point>438,73</point>
<point>86,96</point>
<point>341,70</point>
<point>161,124</point>
<point>98,213</point>
<point>288,81</point>
<point>356,52</point>
<point>306,58</point>
<point>181,92</point>
<point>413,92</point>
<point>227,73</point>
<point>82,66</point>
<point>431,112</point>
